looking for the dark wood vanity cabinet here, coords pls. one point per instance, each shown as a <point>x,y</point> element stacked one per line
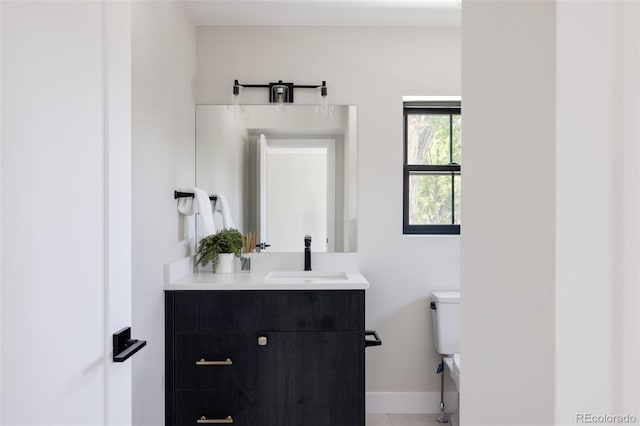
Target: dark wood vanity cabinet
<point>265,358</point>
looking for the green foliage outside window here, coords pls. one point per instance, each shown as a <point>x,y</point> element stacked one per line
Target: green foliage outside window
<point>434,140</point>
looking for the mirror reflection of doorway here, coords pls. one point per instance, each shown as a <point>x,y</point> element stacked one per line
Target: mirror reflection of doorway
<point>297,177</point>
<point>227,162</point>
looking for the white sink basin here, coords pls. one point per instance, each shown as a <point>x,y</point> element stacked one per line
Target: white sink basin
<point>290,276</point>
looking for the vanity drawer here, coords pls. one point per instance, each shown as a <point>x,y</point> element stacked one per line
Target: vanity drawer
<point>195,408</point>
<point>215,311</point>
<point>220,361</point>
<point>275,310</point>
<point>326,310</point>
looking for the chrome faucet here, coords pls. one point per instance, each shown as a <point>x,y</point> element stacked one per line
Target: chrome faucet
<point>307,252</point>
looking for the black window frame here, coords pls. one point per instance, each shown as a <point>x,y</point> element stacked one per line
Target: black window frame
<point>450,108</point>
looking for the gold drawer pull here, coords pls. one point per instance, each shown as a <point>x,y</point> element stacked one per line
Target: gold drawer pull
<point>204,362</point>
<point>204,420</point>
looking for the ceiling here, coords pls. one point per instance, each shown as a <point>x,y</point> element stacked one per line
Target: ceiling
<point>325,12</point>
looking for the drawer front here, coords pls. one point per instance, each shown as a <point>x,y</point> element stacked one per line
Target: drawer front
<point>254,311</point>
<point>319,310</point>
<point>215,311</point>
<point>201,408</point>
<point>217,361</point>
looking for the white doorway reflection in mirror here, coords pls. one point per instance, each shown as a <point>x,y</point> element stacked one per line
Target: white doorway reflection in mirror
<point>297,193</point>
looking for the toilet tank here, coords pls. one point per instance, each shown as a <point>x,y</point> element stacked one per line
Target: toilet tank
<point>445,316</point>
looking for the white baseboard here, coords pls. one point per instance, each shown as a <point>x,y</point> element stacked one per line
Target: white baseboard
<point>410,402</point>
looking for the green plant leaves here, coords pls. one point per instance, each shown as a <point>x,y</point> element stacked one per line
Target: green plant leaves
<point>224,241</point>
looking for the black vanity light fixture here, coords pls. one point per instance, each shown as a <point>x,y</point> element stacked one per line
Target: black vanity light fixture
<point>280,92</point>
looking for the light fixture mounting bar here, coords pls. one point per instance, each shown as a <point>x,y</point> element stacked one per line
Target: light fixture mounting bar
<point>280,92</point>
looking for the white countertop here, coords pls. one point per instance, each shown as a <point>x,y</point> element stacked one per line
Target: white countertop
<point>267,281</point>
<point>272,271</point>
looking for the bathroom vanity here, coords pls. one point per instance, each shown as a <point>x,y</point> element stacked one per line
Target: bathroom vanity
<point>268,349</point>
<point>277,346</point>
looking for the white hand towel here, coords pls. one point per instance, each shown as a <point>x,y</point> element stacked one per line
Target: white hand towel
<point>199,203</point>
<point>185,204</point>
<point>222,206</point>
<point>203,206</point>
<point>185,207</point>
<point>190,227</point>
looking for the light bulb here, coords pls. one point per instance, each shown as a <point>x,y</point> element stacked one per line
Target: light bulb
<point>323,109</point>
<point>239,110</point>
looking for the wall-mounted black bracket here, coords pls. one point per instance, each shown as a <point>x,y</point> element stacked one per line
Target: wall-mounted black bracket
<point>376,342</point>
<point>178,194</point>
<point>124,346</point>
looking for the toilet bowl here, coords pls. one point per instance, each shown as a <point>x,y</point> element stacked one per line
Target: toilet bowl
<point>452,364</point>
<point>445,314</point>
<point>456,364</point>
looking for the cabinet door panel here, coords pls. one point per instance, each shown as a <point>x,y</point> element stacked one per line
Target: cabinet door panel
<point>311,379</point>
<point>215,360</point>
<point>192,406</point>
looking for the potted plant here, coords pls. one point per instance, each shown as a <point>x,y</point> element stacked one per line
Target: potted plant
<point>219,249</point>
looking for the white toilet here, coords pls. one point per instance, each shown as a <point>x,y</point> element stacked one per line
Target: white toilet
<point>445,315</point>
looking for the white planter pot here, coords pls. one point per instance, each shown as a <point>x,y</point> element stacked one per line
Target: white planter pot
<point>225,263</point>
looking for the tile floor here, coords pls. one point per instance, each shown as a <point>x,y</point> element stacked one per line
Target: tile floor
<point>403,420</point>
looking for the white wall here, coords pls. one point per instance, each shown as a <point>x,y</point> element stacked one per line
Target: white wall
<point>628,293</point>
<point>508,245</point>
<point>371,68</point>
<point>598,214</point>
<point>565,254</point>
<point>163,160</point>
<point>1,203</point>
<point>221,162</point>
<point>586,136</point>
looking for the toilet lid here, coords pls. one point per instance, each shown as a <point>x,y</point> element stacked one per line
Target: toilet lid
<point>456,363</point>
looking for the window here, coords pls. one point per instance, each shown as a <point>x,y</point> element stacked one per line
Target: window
<point>432,180</point>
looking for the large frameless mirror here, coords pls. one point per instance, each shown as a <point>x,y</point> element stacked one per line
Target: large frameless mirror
<point>285,172</point>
